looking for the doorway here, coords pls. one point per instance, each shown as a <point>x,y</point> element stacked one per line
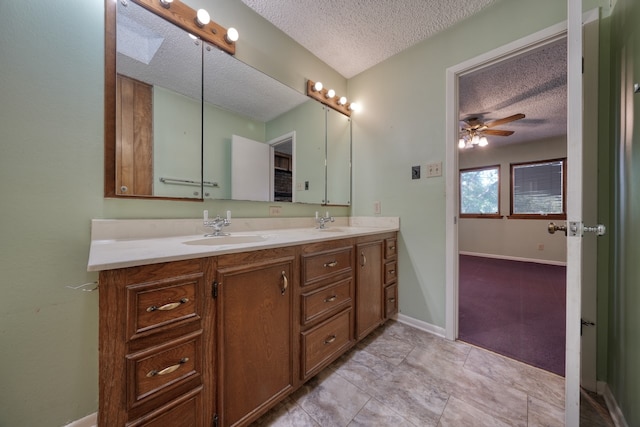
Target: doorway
<point>283,167</point>
<point>512,277</point>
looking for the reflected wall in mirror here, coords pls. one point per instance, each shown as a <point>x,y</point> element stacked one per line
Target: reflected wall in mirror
<point>158,107</point>
<point>194,99</point>
<point>338,158</point>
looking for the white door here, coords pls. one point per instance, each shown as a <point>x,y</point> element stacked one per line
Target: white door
<point>250,169</point>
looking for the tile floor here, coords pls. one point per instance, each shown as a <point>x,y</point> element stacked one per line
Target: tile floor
<point>401,376</point>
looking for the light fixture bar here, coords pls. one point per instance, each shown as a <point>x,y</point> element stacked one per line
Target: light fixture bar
<point>321,95</point>
<point>178,13</point>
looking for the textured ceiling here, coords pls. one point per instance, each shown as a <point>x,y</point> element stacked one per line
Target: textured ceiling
<point>533,83</point>
<point>353,35</point>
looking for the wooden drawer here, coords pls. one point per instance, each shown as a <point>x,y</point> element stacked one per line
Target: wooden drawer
<point>319,303</point>
<point>322,344</point>
<point>186,411</point>
<point>390,300</point>
<point>158,370</point>
<point>390,272</point>
<point>390,248</point>
<point>165,303</point>
<point>326,264</point>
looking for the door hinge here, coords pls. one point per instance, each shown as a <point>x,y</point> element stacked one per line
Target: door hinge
<point>214,290</point>
<point>215,420</point>
<point>584,323</point>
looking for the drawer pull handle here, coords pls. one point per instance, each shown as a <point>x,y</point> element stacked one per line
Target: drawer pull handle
<point>392,300</point>
<point>331,339</point>
<point>364,259</point>
<point>332,298</point>
<point>169,306</point>
<point>169,369</point>
<point>392,272</point>
<point>285,283</point>
<point>331,264</point>
<point>393,248</point>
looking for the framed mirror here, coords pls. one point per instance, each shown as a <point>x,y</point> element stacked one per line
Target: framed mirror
<point>181,136</point>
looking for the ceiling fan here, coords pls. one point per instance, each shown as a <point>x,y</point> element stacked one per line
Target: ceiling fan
<point>473,131</point>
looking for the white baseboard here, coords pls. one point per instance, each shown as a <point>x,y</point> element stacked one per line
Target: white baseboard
<point>90,420</point>
<point>616,413</point>
<point>515,258</point>
<point>419,324</point>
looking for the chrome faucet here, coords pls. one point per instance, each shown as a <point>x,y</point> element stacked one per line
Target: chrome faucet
<point>322,220</point>
<point>216,223</point>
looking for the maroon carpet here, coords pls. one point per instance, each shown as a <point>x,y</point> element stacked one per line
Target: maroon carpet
<point>514,308</point>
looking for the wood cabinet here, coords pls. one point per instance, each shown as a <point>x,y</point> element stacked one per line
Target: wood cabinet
<point>369,281</point>
<point>152,348</point>
<point>255,308</point>
<point>390,276</point>
<point>326,304</point>
<point>221,340</point>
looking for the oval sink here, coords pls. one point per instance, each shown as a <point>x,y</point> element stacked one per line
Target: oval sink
<point>233,239</point>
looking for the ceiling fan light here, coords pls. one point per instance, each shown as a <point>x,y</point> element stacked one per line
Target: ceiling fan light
<point>462,143</point>
<point>475,140</point>
<point>482,142</point>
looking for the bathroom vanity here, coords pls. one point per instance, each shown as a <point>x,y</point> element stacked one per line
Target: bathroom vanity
<point>197,333</point>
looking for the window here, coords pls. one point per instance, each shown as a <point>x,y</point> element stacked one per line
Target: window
<point>538,189</point>
<point>480,192</point>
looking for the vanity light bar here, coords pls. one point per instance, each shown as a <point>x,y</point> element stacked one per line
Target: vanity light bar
<point>185,17</point>
<point>320,94</point>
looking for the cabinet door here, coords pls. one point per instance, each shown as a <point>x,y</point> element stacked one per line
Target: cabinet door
<point>256,355</point>
<point>369,299</point>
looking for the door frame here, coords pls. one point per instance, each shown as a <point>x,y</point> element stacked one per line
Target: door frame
<point>577,19</point>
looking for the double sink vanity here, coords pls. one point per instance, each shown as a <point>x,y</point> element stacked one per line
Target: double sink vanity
<point>201,331</point>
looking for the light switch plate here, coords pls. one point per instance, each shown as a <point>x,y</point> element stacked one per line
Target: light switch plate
<point>434,169</point>
<point>377,209</point>
<point>415,172</point>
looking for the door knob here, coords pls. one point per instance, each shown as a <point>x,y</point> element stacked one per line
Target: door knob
<point>552,228</point>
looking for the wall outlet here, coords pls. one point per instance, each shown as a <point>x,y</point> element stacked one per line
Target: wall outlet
<point>541,247</point>
<point>434,169</point>
<point>377,208</point>
<point>300,186</point>
<point>275,210</point>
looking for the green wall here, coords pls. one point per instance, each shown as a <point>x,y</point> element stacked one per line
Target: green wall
<point>624,292</point>
<point>51,184</point>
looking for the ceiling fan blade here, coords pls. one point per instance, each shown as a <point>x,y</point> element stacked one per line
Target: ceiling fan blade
<point>505,120</point>
<point>497,132</point>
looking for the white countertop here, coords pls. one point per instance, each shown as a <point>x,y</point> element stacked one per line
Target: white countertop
<point>129,243</point>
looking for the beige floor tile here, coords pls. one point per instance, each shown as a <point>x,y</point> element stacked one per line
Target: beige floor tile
<point>458,413</point>
<point>533,381</point>
<point>330,399</point>
<point>544,414</point>
<point>286,414</point>
<point>376,413</point>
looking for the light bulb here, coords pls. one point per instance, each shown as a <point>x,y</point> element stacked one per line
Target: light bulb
<point>192,36</point>
<point>317,86</point>
<point>355,107</point>
<point>342,100</point>
<point>202,18</point>
<point>330,93</point>
<point>462,143</point>
<point>483,142</point>
<point>232,35</point>
<point>166,3</point>
<point>475,140</point>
